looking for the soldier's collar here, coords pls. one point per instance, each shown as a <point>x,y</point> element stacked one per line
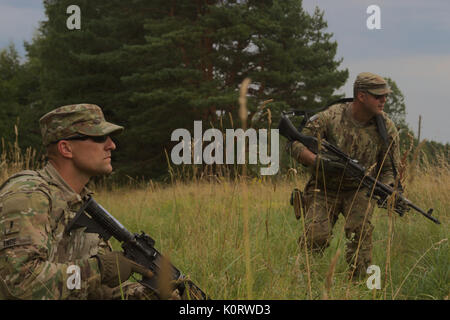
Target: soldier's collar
<point>356,123</point>
<point>69,194</point>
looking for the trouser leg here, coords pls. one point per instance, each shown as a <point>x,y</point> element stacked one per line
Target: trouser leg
<point>320,217</point>
<point>358,230</point>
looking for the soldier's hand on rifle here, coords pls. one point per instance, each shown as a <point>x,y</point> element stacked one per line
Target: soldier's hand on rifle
<point>399,206</point>
<point>115,268</point>
<point>330,164</point>
<point>384,200</point>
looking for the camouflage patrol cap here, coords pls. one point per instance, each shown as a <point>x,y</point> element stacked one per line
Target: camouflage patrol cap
<point>70,120</point>
<point>370,82</point>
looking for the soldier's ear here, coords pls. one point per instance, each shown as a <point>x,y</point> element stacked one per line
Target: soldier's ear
<point>65,149</point>
<point>360,96</point>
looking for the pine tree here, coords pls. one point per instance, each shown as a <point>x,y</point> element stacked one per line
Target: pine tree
<point>395,105</point>
<point>19,89</point>
<point>87,65</point>
<point>198,53</point>
<point>157,66</point>
<point>9,107</point>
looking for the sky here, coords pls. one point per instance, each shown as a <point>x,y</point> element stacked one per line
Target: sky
<point>412,47</point>
<point>18,21</point>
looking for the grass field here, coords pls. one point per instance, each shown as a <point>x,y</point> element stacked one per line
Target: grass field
<point>239,241</point>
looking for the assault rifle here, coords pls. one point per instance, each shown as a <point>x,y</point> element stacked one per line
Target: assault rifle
<point>381,192</point>
<point>136,247</point>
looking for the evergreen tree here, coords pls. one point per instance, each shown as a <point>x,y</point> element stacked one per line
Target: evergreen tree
<point>19,89</point>
<point>9,91</point>
<point>157,66</point>
<point>395,105</point>
<point>197,54</point>
<point>86,65</point>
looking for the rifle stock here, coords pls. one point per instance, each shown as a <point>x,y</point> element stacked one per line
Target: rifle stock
<point>287,130</point>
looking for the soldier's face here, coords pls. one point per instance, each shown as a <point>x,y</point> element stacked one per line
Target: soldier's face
<point>374,104</point>
<point>93,158</point>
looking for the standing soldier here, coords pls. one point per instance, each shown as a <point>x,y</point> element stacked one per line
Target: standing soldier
<point>37,255</point>
<point>350,126</point>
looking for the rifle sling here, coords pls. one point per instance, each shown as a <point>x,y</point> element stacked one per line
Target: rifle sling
<point>381,125</point>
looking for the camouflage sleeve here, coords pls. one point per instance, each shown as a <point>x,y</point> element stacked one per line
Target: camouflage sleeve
<point>26,244</point>
<point>387,171</point>
<point>315,127</point>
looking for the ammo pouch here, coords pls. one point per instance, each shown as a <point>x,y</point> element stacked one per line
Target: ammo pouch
<point>298,202</point>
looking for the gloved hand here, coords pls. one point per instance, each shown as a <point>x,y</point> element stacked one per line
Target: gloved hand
<point>399,205</point>
<point>102,293</point>
<point>330,164</point>
<point>116,268</point>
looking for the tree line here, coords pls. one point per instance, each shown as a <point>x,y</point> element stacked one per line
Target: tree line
<point>155,66</point>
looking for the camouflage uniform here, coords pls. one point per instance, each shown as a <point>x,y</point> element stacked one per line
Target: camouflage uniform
<point>35,208</point>
<point>329,195</point>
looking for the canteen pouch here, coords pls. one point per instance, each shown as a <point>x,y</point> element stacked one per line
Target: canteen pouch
<point>298,202</point>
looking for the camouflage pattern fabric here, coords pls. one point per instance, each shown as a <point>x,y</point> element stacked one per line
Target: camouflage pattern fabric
<point>70,120</point>
<point>329,195</point>
<point>370,82</point>
<point>35,250</point>
<point>360,141</point>
<point>322,211</point>
<point>126,291</point>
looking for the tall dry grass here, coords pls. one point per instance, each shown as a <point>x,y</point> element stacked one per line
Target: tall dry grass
<point>13,159</point>
<point>237,238</point>
<point>201,227</point>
